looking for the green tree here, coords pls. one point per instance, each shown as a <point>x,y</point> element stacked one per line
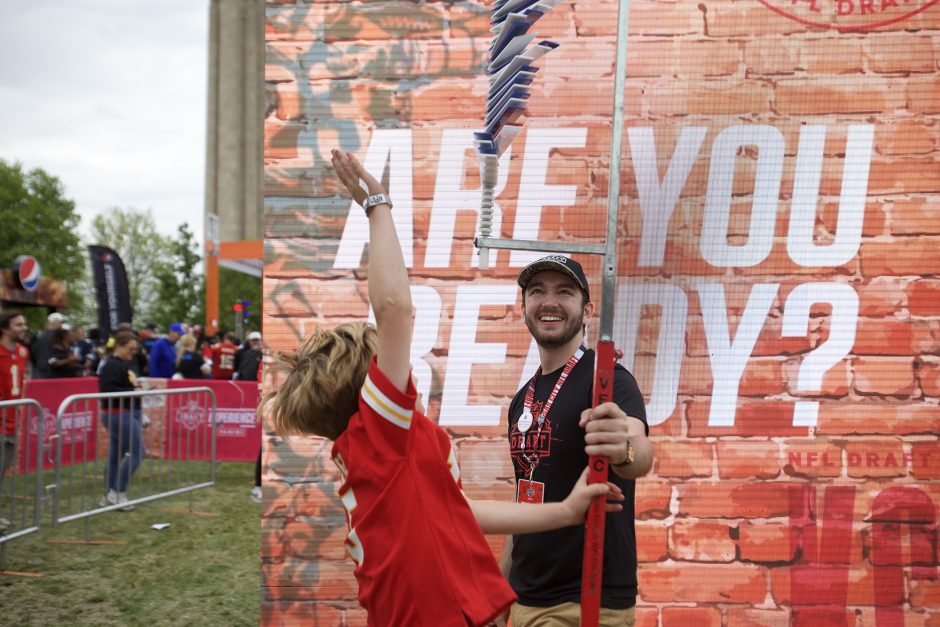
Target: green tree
<point>132,234</point>
<point>39,220</point>
<point>180,284</point>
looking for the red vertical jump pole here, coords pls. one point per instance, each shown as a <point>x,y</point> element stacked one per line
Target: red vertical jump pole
<point>592,572</point>
<point>606,354</point>
<point>593,565</point>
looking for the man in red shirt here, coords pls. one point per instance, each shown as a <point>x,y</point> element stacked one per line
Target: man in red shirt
<point>421,559</point>
<point>13,359</point>
<point>223,358</point>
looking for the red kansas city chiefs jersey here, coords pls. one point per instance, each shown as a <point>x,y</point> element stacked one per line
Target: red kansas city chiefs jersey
<point>421,559</point>
<point>12,379</point>
<point>223,360</point>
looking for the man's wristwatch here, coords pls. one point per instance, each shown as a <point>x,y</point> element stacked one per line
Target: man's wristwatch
<point>376,199</point>
<point>631,453</point>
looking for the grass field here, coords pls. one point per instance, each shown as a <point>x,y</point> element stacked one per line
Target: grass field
<point>201,570</point>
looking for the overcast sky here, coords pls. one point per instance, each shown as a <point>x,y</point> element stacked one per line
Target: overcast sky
<point>110,97</point>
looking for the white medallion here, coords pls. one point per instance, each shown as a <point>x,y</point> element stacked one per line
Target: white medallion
<point>525,421</point>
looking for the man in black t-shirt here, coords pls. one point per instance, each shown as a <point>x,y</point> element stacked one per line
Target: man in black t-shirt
<point>552,431</point>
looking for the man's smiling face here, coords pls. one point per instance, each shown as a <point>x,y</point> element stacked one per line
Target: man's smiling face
<point>17,330</point>
<point>554,308</point>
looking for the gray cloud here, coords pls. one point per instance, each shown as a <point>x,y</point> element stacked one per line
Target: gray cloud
<point>110,97</point>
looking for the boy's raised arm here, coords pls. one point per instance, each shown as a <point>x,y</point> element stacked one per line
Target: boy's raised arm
<point>389,292</point>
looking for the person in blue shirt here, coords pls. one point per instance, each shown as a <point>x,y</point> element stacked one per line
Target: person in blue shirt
<point>163,353</point>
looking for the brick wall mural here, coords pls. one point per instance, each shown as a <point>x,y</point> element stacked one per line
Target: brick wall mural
<point>778,295</point>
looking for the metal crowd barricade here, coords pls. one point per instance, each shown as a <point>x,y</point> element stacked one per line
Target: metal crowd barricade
<point>22,424</point>
<point>148,445</point>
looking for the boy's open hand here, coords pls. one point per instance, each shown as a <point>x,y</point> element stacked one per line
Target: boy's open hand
<point>350,172</point>
<point>582,494</point>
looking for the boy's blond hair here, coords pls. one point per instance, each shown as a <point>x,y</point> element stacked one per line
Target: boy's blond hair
<point>321,391</point>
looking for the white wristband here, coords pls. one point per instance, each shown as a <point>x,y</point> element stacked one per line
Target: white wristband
<point>376,199</point>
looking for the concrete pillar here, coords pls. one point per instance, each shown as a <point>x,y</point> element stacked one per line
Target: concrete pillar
<point>234,137</point>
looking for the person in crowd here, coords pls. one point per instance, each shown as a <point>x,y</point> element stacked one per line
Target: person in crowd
<point>189,362</point>
<point>420,556</point>
<point>197,332</point>
<point>84,350</point>
<point>257,494</point>
<point>206,346</point>
<point>223,358</point>
<point>63,363</point>
<point>139,365</point>
<point>147,337</point>
<point>252,340</point>
<point>122,418</point>
<point>14,358</point>
<point>555,406</point>
<point>94,336</point>
<point>250,359</point>
<point>163,354</point>
<point>242,347</point>
<point>42,346</point>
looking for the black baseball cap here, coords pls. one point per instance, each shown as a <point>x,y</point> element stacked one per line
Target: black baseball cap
<point>555,263</point>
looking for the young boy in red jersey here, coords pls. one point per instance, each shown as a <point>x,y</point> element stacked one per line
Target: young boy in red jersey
<point>421,559</point>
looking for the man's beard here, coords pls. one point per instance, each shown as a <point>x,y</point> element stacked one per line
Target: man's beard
<point>573,326</point>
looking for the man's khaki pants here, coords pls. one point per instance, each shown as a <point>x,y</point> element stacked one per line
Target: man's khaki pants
<point>567,615</point>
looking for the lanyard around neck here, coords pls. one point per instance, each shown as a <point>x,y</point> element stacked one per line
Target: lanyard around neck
<point>530,392</point>
<point>525,420</point>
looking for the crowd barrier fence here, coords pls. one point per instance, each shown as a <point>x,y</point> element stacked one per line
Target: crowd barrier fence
<point>164,439</point>
<point>238,431</point>
<point>20,493</point>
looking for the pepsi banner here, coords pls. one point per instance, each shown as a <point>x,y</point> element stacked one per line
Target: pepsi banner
<point>114,299</point>
<point>27,272</point>
<point>24,284</point>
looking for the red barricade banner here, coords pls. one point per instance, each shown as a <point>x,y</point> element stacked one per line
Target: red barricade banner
<point>238,434</point>
<point>78,427</point>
